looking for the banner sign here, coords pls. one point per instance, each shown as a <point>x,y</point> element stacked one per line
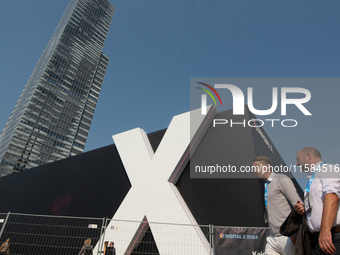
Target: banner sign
<point>232,240</point>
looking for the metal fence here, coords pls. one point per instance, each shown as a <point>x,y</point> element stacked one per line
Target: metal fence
<point>60,235</point>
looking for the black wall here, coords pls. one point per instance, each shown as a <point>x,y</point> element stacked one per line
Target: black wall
<point>95,183</point>
<point>228,201</point>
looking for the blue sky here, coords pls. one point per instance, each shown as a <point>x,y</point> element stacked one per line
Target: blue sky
<point>156,46</point>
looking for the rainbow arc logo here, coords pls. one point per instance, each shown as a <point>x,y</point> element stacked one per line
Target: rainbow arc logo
<point>209,93</point>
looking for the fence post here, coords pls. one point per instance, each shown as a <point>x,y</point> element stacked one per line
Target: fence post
<point>211,239</point>
<point>3,226</point>
<point>102,236</point>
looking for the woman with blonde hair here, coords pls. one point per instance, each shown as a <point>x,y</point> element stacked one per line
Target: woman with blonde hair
<point>87,248</point>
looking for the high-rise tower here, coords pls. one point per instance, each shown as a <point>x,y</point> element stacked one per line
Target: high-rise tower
<point>52,117</point>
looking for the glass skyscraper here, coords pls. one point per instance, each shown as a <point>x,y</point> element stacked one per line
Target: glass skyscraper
<point>52,117</point>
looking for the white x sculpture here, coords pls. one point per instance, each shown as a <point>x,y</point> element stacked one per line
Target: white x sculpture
<point>153,197</point>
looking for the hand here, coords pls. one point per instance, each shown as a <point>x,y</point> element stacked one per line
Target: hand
<point>299,207</point>
<point>325,242</point>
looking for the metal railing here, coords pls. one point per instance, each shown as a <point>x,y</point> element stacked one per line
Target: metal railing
<point>60,235</point>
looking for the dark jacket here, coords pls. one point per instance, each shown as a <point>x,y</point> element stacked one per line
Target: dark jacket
<point>110,250</point>
<point>298,223</point>
<point>86,247</point>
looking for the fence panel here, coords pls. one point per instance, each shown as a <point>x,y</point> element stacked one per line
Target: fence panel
<point>132,237</point>
<point>40,234</point>
<point>59,235</point>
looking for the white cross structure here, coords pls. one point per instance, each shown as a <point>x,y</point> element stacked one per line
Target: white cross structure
<point>153,197</point>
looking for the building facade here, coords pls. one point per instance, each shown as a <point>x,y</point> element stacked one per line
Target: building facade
<point>52,117</point>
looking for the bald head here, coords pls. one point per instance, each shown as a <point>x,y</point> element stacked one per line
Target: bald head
<point>307,158</point>
<point>314,152</point>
